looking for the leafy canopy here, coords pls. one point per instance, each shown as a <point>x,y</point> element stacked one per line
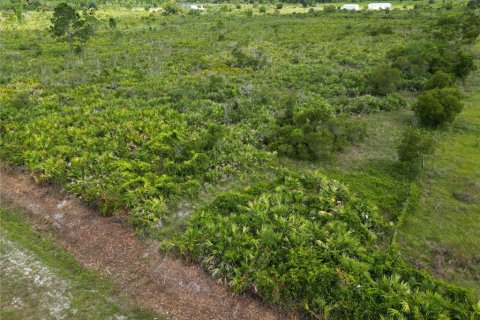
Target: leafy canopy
<point>438,106</point>
<point>68,25</point>
<point>312,132</point>
<point>414,146</point>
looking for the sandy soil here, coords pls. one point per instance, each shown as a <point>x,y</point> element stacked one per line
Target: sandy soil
<point>43,285</point>
<point>157,282</point>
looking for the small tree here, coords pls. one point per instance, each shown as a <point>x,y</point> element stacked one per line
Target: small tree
<point>414,146</point>
<point>92,5</point>
<point>438,106</point>
<point>67,25</point>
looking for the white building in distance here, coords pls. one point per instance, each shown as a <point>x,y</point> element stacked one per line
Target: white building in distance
<point>193,7</point>
<point>353,7</point>
<point>379,6</point>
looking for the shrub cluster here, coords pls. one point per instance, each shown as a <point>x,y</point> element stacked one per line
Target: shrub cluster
<point>306,243</point>
<point>171,8</point>
<point>312,132</point>
<point>422,59</point>
<point>473,4</point>
<point>384,80</point>
<point>255,58</point>
<point>68,25</point>
<point>414,146</point>
<point>133,158</point>
<point>435,65</point>
<point>438,106</point>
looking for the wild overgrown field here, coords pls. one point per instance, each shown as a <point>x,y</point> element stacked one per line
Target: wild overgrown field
<point>281,152</point>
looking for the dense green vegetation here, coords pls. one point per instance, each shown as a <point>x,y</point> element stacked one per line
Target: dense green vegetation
<point>52,285</point>
<point>306,243</point>
<point>226,117</point>
<point>178,109</point>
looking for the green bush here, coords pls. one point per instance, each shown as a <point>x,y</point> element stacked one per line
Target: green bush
<point>378,30</point>
<point>465,27</point>
<point>473,4</point>
<point>393,101</point>
<point>415,61</point>
<point>470,27</point>
<point>112,23</point>
<point>21,100</point>
<point>365,104</point>
<point>438,106</point>
<point>171,8</point>
<point>419,60</point>
<point>312,133</point>
<point>414,146</point>
<point>464,64</point>
<point>384,80</point>
<point>440,80</point>
<point>255,58</point>
<point>150,214</point>
<point>328,9</point>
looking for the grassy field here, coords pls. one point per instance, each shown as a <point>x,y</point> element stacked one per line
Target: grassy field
<point>41,281</point>
<point>263,146</point>
<point>442,235</point>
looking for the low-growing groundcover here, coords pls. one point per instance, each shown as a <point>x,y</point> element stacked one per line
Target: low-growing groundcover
<point>305,242</point>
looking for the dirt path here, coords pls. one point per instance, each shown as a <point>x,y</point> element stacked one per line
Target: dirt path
<point>160,283</point>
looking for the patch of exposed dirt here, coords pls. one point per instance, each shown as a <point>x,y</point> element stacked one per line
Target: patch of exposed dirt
<point>157,282</point>
<point>447,261</point>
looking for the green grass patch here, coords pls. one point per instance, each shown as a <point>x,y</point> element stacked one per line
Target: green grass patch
<point>443,234</point>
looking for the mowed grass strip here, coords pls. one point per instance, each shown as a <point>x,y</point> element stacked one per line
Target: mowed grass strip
<point>41,281</point>
<point>443,234</point>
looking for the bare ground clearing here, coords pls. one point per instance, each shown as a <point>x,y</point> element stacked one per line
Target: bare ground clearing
<point>157,282</point>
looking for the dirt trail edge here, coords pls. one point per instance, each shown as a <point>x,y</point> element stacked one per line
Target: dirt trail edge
<point>157,282</point>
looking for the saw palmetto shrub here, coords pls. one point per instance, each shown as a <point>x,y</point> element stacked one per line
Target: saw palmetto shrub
<point>307,244</point>
<point>312,132</point>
